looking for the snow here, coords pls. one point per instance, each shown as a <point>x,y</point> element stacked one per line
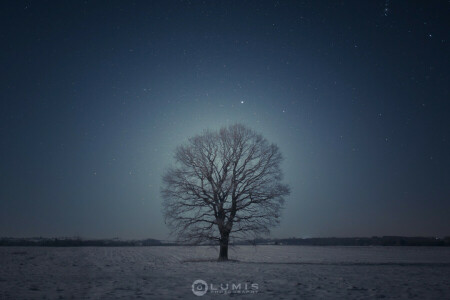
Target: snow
<point>280,272</point>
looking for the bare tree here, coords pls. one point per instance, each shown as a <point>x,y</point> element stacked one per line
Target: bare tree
<point>224,182</point>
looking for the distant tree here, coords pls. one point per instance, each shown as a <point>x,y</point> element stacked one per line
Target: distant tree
<point>224,183</point>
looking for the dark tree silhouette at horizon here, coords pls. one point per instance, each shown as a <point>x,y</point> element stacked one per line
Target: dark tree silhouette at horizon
<point>225,184</point>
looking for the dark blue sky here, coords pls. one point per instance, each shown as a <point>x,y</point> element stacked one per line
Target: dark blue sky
<point>96,95</point>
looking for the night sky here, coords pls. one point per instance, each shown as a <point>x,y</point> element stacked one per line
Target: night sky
<point>96,95</point>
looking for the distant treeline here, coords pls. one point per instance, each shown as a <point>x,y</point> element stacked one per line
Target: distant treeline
<point>365,241</point>
<point>77,242</point>
<point>333,241</point>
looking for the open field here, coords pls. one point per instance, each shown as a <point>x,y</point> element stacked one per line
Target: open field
<point>279,272</point>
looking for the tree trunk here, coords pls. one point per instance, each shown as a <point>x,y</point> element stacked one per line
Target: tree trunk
<point>223,254</point>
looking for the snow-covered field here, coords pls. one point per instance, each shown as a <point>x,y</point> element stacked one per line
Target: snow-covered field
<point>276,272</point>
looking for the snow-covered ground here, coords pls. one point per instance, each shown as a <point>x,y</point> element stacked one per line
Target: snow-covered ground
<point>276,272</point>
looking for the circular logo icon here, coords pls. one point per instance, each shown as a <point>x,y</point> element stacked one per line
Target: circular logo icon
<point>199,287</point>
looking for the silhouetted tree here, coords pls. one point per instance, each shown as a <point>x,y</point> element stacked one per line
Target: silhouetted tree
<point>224,182</point>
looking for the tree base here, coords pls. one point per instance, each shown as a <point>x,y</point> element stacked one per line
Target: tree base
<point>223,252</point>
